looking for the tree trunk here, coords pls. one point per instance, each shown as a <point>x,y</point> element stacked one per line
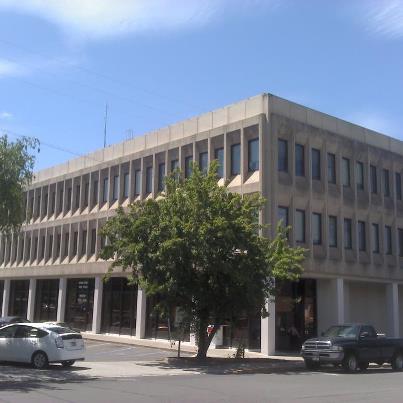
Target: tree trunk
<point>204,340</point>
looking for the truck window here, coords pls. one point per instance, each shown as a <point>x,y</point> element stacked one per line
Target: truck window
<point>368,329</point>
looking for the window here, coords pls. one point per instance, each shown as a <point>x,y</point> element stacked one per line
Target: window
<point>93,240</point>
<point>388,240</point>
<point>235,159</point>
<point>331,168</point>
<point>105,190</point>
<point>45,201</point>
<point>58,244</point>
<point>282,215</point>
<point>66,244</point>
<point>149,180</point>
<point>188,166</point>
<point>36,240</point>
<point>126,185</point>
<point>60,200</point>
<point>253,155</point>
<point>386,185</point>
<point>52,203</point>
<point>400,236</point>
<point>161,176</point>
<point>333,231</point>
<point>219,156</point>
<point>50,248</point>
<point>360,175</point>
<point>68,203</point>
<point>300,226</point>
<point>398,180</point>
<point>375,238</point>
<point>315,164</point>
<point>42,254</point>
<point>86,192</point>
<point>115,187</point>
<point>282,155</point>
<point>317,228</point>
<point>174,165</point>
<point>345,172</point>
<point>75,242</point>
<point>374,179</point>
<point>203,161</point>
<point>95,192</point>
<point>78,189</point>
<point>362,244</point>
<point>137,182</point>
<point>348,240</point>
<point>299,160</point>
<point>84,242</point>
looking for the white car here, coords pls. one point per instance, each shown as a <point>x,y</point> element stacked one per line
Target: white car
<point>40,344</point>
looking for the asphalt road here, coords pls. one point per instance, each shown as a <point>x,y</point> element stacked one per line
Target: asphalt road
<point>100,380</point>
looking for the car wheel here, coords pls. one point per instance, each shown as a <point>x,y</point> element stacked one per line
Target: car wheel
<point>364,366</point>
<point>40,360</point>
<point>68,363</point>
<point>311,365</point>
<point>350,363</point>
<point>397,362</point>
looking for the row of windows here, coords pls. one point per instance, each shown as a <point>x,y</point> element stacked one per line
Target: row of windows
<point>361,234</point>
<point>332,172</point>
<point>35,207</point>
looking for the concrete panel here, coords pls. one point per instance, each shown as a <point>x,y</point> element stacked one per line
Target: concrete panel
<point>205,122</point>
<point>329,123</point>
<point>115,151</point>
<point>236,112</point>
<point>279,106</point>
<point>163,135</point>
<point>190,127</point>
<point>368,304</point>
<point>176,131</point>
<point>255,105</point>
<point>314,118</point>
<point>377,140</point>
<point>219,117</point>
<point>299,113</point>
<point>151,139</point>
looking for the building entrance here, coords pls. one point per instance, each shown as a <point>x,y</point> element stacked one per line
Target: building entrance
<point>19,290</point>
<point>296,318</point>
<point>47,292</point>
<point>1,295</point>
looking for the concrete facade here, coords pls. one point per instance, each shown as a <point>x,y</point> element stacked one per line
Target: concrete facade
<point>356,279</point>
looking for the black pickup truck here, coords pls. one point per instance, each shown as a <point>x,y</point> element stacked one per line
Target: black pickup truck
<point>352,346</point>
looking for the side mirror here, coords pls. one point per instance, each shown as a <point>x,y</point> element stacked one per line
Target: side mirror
<point>364,335</point>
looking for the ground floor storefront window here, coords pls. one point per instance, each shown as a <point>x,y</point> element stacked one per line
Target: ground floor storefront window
<point>47,292</point>
<point>119,307</point>
<point>18,305</point>
<point>243,332</point>
<point>1,294</point>
<point>296,317</point>
<point>168,325</point>
<point>80,303</point>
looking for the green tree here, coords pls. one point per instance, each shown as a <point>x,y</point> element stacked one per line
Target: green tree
<point>199,248</point>
<point>16,172</point>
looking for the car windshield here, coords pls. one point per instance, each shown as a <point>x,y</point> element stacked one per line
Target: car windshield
<point>60,330</point>
<point>342,331</point>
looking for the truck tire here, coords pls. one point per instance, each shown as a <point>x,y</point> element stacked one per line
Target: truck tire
<point>397,361</point>
<point>311,365</point>
<point>364,366</point>
<point>350,363</point>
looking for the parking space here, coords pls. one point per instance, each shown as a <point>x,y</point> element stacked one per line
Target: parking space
<point>97,351</point>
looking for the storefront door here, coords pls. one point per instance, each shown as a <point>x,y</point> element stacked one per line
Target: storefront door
<point>18,305</point>
<point>47,292</point>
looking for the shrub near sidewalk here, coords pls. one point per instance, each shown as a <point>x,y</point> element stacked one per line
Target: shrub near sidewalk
<point>198,248</point>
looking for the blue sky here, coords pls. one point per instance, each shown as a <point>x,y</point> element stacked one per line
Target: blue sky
<point>159,61</point>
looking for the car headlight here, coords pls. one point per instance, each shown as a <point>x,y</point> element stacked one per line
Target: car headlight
<point>337,348</point>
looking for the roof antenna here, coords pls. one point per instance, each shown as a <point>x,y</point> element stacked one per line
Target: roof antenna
<point>106,119</point>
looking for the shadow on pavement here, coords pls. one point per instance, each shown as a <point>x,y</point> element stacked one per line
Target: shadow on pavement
<point>23,378</point>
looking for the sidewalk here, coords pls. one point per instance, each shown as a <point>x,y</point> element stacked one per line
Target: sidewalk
<point>185,347</point>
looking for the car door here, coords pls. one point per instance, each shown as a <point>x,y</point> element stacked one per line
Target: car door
<point>25,343</point>
<point>6,342</point>
<point>369,346</point>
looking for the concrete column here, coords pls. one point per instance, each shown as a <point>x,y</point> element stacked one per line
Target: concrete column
<point>31,299</point>
<point>97,312</point>
<point>141,314</point>
<point>61,300</point>
<point>339,285</point>
<point>268,330</point>
<point>392,308</point>
<point>6,298</point>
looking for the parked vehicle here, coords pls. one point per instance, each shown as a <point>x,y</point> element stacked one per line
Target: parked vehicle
<point>40,344</point>
<point>353,346</point>
<point>6,320</point>
<point>63,324</point>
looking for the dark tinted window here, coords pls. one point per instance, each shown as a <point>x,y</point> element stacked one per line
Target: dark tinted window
<point>386,184</point>
<point>219,156</point>
<point>316,228</point>
<point>235,159</point>
<point>299,160</point>
<point>375,238</point>
<point>360,175</point>
<point>346,172</point>
<point>161,176</point>
<point>400,235</point>
<point>7,332</point>
<point>282,155</point>
<point>348,241</point>
<point>333,231</point>
<point>388,240</point>
<point>398,180</point>
<point>149,180</point>
<point>203,161</point>
<point>300,226</point>
<point>374,179</point>
<point>24,332</point>
<point>253,155</point>
<point>188,166</point>
<point>361,236</point>
<point>282,215</point>
<point>315,164</point>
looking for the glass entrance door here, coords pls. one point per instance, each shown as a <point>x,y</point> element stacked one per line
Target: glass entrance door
<point>295,314</point>
<point>47,292</point>
<point>18,305</point>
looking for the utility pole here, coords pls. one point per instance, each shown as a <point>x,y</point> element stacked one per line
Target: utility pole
<point>105,122</point>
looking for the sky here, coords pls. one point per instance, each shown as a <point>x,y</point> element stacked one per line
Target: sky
<point>156,62</point>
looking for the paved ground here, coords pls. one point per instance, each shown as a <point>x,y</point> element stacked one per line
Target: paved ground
<point>115,373</point>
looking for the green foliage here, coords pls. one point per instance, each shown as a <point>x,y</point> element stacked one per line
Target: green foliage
<point>16,171</point>
<point>199,248</point>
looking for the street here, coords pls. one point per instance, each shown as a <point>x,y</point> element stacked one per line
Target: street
<point>115,372</point>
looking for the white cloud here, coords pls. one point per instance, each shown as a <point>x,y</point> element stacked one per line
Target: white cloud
<point>5,115</point>
<point>106,18</point>
<point>10,69</point>
<point>385,17</point>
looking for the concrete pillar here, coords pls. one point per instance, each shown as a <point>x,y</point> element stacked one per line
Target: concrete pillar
<point>6,298</point>
<point>339,291</point>
<point>31,299</point>
<point>268,330</point>
<point>97,312</point>
<point>61,300</point>
<point>392,308</point>
<point>141,314</point>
